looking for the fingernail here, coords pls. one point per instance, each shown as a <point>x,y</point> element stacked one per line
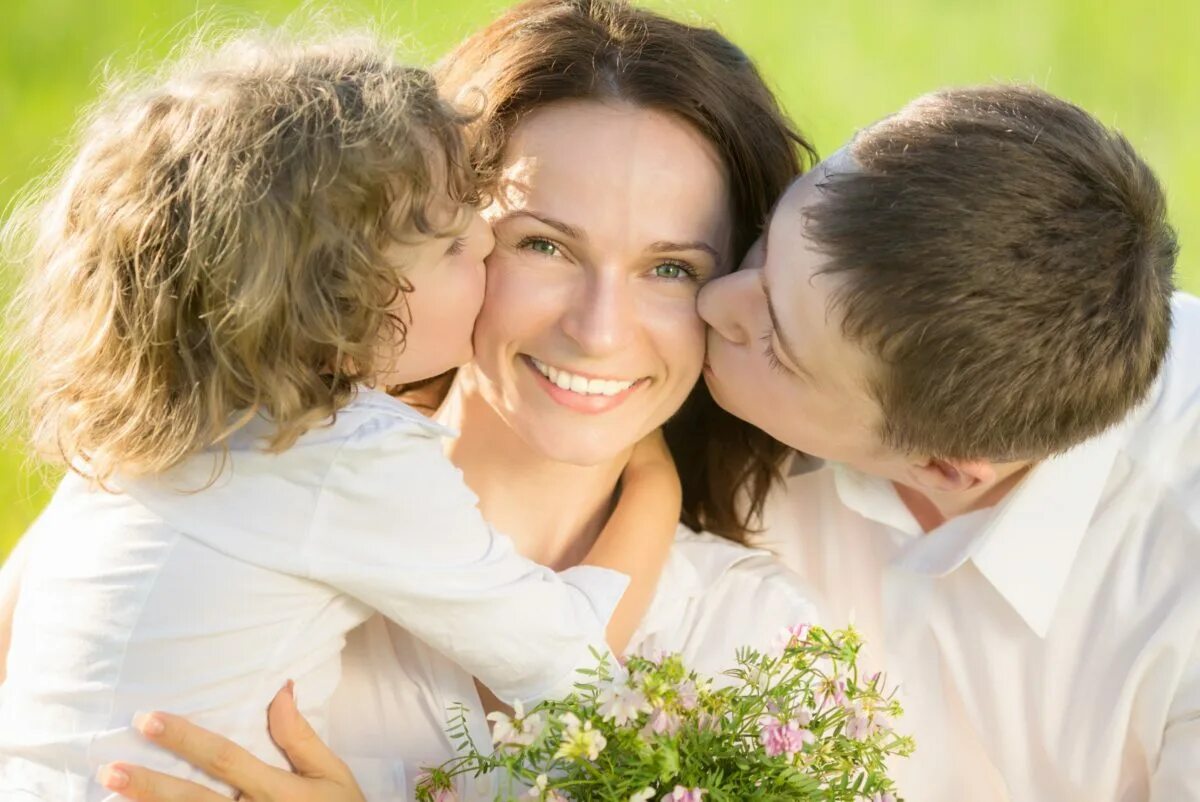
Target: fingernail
<point>290,687</point>
<point>148,724</point>
<point>112,778</point>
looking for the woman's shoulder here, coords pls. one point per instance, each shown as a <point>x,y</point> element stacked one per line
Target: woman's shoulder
<point>716,596</point>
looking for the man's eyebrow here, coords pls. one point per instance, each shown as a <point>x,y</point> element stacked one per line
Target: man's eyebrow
<point>667,247</point>
<point>565,228</point>
<point>788,350</point>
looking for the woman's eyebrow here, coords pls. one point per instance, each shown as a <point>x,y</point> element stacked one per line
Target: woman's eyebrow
<point>667,247</point>
<point>565,228</point>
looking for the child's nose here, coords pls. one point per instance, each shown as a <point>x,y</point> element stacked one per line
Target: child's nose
<point>481,233</point>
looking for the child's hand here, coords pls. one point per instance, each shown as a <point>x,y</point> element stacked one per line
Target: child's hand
<point>320,776</point>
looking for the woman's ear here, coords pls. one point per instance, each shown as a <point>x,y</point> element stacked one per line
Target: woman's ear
<point>952,476</point>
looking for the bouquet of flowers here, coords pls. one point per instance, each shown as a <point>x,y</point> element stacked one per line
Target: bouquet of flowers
<point>796,723</point>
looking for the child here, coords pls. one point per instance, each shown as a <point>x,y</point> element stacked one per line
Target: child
<point>234,264</point>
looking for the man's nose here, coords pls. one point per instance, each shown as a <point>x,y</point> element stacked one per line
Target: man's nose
<point>727,304</point>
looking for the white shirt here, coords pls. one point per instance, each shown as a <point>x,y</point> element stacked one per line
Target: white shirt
<point>389,712</point>
<point>203,600</point>
<point>1048,648</point>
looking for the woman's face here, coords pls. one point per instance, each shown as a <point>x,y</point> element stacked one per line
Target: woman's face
<point>608,219</point>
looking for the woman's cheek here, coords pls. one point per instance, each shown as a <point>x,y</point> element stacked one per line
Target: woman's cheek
<point>679,332</point>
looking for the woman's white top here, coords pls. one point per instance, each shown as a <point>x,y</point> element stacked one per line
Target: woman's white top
<point>389,712</point>
<point>202,597</point>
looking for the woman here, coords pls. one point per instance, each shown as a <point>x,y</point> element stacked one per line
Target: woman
<point>630,159</point>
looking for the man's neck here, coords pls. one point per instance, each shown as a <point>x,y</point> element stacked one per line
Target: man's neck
<point>553,511</point>
<point>931,509</point>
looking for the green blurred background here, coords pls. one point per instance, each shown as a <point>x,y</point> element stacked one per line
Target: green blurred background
<point>837,65</point>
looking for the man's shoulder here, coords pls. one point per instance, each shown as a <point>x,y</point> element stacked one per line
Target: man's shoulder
<point>1164,432</point>
<point>1178,389</point>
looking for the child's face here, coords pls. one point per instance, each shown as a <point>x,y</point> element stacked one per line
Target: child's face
<point>447,278</point>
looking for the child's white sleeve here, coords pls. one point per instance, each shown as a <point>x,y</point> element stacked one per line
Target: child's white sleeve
<point>396,527</point>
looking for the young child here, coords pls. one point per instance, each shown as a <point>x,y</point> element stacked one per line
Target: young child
<point>234,265</point>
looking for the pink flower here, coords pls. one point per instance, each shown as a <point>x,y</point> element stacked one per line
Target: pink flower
<point>783,738</point>
<point>787,637</point>
<point>858,725</point>
<point>661,723</point>
<point>689,696</point>
<point>831,689</point>
<point>425,780</point>
<point>682,794</point>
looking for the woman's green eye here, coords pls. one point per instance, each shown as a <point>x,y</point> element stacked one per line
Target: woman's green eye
<point>543,246</point>
<point>670,270</point>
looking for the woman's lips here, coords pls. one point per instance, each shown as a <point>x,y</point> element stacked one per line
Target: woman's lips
<point>587,404</point>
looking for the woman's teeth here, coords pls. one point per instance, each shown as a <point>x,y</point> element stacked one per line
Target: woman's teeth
<point>580,384</point>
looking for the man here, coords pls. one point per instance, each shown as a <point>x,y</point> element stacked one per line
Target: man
<point>963,316</point>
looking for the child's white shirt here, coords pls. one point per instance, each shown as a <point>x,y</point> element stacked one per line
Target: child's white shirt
<point>202,600</point>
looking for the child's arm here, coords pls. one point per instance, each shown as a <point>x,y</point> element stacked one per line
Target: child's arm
<point>396,527</point>
<point>639,534</point>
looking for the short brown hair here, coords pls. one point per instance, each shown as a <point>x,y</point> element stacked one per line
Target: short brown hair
<point>215,247</point>
<point>1009,259</point>
<point>545,51</point>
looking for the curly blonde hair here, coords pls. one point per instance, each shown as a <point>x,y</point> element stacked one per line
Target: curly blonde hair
<point>215,248</point>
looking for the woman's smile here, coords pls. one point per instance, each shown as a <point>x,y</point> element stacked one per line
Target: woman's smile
<point>582,392</point>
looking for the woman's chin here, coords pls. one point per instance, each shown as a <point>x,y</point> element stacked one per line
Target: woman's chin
<point>579,444</point>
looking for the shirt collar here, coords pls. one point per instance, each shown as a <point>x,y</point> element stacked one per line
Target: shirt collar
<point>695,562</point>
<point>1027,549</point>
<point>1024,546</point>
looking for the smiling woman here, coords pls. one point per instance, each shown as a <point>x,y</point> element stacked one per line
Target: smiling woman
<point>582,295</point>
<point>704,97</point>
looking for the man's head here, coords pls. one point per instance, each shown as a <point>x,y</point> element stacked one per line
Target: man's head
<point>982,278</point>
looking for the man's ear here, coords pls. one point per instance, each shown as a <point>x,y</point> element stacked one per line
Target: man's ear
<point>951,475</point>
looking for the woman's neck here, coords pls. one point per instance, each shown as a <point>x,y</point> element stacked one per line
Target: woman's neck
<point>553,511</point>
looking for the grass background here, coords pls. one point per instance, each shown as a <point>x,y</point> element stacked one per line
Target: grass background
<point>836,64</point>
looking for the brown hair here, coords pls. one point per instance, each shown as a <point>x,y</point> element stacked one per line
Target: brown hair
<point>1009,259</point>
<point>544,51</point>
<point>215,248</point>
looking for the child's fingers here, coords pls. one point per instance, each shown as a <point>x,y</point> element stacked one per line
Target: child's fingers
<point>304,748</point>
<point>144,785</point>
<point>216,756</point>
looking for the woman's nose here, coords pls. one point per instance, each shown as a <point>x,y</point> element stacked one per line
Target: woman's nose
<point>603,316</point>
<point>727,304</point>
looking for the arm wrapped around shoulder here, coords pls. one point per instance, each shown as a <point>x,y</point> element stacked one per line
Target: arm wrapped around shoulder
<point>396,527</point>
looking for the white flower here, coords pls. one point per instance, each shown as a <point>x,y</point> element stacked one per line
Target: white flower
<point>539,786</point>
<point>621,704</point>
<point>516,730</point>
<point>580,740</point>
<point>643,795</point>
